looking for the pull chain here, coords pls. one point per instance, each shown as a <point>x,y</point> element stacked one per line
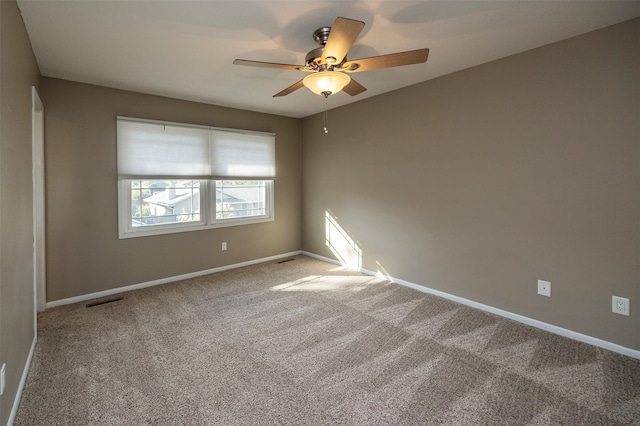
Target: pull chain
<point>326,118</point>
<point>326,114</point>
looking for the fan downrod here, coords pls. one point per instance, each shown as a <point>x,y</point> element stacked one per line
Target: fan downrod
<point>321,35</point>
<point>313,58</point>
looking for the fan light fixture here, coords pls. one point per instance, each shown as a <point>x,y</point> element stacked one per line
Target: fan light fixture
<point>326,83</point>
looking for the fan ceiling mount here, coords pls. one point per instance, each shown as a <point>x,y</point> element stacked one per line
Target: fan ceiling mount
<point>328,66</point>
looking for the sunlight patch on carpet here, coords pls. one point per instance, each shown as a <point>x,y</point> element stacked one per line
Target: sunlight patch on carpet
<point>319,283</point>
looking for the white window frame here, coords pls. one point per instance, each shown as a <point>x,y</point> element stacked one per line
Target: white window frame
<point>229,154</point>
<point>207,212</point>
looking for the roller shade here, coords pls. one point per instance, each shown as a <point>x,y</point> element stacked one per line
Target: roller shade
<point>242,155</point>
<point>150,149</point>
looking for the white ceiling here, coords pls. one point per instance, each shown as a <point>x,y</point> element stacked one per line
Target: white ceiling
<point>185,49</point>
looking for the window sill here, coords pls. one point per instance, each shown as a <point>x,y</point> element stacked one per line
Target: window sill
<point>189,227</point>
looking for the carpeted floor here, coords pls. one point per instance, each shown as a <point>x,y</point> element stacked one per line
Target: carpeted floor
<point>307,343</point>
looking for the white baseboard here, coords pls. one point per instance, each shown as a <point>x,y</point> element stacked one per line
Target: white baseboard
<point>23,380</point>
<point>506,314</point>
<point>118,290</point>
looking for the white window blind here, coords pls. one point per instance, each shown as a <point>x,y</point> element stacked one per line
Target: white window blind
<point>149,149</point>
<point>242,156</point>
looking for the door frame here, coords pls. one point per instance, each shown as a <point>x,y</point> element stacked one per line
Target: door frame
<point>39,255</point>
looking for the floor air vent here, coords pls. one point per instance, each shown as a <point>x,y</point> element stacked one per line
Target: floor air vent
<point>91,305</point>
<point>286,260</point>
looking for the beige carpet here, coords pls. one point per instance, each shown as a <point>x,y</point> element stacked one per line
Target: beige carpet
<point>307,343</point>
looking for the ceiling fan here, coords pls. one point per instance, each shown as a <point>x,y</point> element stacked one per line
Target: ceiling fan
<point>328,64</point>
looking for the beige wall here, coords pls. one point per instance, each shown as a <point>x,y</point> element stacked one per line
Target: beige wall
<point>476,184</point>
<point>484,181</point>
<point>18,73</point>
<point>84,254</point>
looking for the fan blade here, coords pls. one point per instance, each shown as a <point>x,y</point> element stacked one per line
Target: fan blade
<point>267,65</point>
<point>289,89</point>
<point>387,61</point>
<point>354,88</point>
<point>342,35</point>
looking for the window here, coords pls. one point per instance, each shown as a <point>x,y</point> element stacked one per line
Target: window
<point>155,202</point>
<point>175,178</point>
<point>240,198</point>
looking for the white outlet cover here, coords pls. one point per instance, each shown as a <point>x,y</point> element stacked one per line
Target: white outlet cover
<point>2,381</point>
<point>544,288</point>
<point>620,305</point>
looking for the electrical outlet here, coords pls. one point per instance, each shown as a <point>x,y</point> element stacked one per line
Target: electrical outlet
<point>620,305</point>
<point>544,288</point>
<point>2,378</point>
<point>224,246</point>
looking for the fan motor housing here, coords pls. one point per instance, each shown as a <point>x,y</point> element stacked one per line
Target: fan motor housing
<point>314,56</point>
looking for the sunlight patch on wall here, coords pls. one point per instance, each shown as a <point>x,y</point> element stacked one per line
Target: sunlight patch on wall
<point>341,244</point>
<point>381,272</point>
